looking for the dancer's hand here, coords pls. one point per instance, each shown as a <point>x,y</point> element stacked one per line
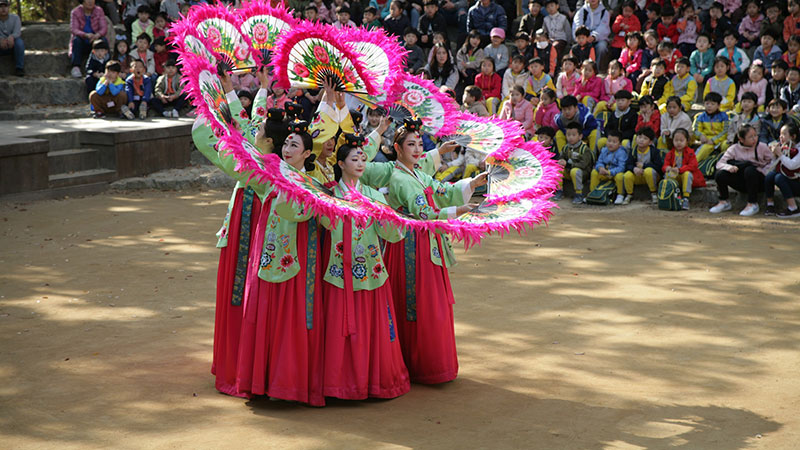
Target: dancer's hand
<point>448,147</point>
<point>225,80</point>
<point>479,181</point>
<point>463,209</point>
<point>383,125</point>
<point>263,77</point>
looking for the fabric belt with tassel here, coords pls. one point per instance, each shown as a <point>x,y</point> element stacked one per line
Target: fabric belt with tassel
<point>240,275</point>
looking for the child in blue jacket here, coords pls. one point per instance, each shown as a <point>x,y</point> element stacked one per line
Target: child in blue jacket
<point>611,165</point>
<point>139,87</point>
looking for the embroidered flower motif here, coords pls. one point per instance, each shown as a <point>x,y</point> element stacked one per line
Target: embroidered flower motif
<point>260,32</point>
<point>336,271</point>
<point>419,201</point>
<point>359,250</point>
<point>321,54</point>
<point>339,248</point>
<point>436,253</point>
<point>266,259</point>
<point>261,111</point>
<point>270,247</point>
<point>361,259</point>
<point>218,133</point>
<point>377,270</point>
<point>373,250</point>
<point>301,70</point>
<point>286,261</point>
<point>214,37</point>
<point>285,240</point>
<point>413,98</point>
<point>243,114</point>
<point>423,216</point>
<point>441,191</point>
<point>359,271</point>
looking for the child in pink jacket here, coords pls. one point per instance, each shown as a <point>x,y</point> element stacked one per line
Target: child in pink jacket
<point>519,109</point>
<point>590,89</point>
<point>545,115</point>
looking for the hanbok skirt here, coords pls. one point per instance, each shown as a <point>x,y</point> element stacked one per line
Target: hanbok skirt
<point>228,317</point>
<point>425,319</point>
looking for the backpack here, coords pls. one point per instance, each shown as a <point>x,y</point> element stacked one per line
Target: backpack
<point>708,166</point>
<point>669,195</point>
<point>601,195</point>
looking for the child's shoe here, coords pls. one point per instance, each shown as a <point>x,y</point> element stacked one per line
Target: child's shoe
<point>558,195</point>
<point>620,198</point>
<point>97,115</point>
<point>577,199</point>
<point>685,204</point>
<point>627,200</point>
<point>175,113</point>
<point>127,112</point>
<point>653,198</point>
<point>166,114</point>
<point>143,111</point>
<point>720,207</point>
<point>749,210</point>
<point>769,210</point>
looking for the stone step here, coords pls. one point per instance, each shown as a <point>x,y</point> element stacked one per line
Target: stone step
<point>45,112</point>
<point>80,178</point>
<point>46,36</point>
<point>39,62</point>
<point>73,160</point>
<point>35,90</point>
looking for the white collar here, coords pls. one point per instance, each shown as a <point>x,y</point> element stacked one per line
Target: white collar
<point>345,188</point>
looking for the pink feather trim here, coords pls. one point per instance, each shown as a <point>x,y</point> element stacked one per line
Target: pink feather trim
<point>395,53</point>
<point>547,184</point>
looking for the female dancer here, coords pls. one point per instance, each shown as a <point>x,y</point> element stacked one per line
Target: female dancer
<point>418,265</point>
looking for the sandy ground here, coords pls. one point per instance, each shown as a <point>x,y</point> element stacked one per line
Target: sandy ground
<point>622,328</point>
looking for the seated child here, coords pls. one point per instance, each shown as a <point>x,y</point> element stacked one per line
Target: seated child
<point>756,84</point>
<point>768,52</point>
<point>546,137</point>
<point>722,84</point>
<point>490,84</point>
<point>614,82</point>
<point>160,56</point>
<point>472,102</point>
<point>568,78</point>
<point>648,115</point>
<point>682,85</point>
<point>710,127</point>
<point>139,88</point>
<point>519,109</point>
<point>688,28</point>
<point>631,56</point>
<point>545,114</point>
<point>748,115</point>
<point>278,99</point>
<point>576,159</point>
<point>750,27</point>
<point>622,120</point>
<point>772,121</point>
<point>675,117</point>
<point>572,111</point>
<point>668,28</point>
<point>246,99</point>
<point>583,49</point>
<point>466,164</point>
<point>643,166</point>
<point>515,76</point>
<point>537,81</point>
<point>168,92</point>
<point>656,83</point>
<point>547,52</point>
<point>589,89</point>
<point>669,54</point>
<point>522,46</point>
<point>791,92</point>
<point>386,151</point>
<point>144,54</point>
<point>96,64</point>
<point>777,82</point>
<point>611,165</point>
<point>108,96</point>
<point>623,24</point>
<point>702,60</point>
<point>785,174</point>
<point>649,53</point>
<point>737,57</point>
<point>416,56</point>
<point>680,164</point>
<point>792,55</point>
<point>497,50</point>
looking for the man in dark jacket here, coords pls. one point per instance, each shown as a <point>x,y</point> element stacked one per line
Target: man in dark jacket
<point>485,15</point>
<point>431,22</point>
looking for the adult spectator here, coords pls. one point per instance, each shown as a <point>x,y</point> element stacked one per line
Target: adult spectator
<point>593,15</point>
<point>485,15</point>
<point>87,23</point>
<point>455,12</point>
<point>110,8</point>
<point>11,37</point>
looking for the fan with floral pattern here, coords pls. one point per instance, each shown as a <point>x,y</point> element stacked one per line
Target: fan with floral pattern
<point>262,24</point>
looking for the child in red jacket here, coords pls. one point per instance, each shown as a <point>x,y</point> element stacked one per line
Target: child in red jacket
<point>624,23</point>
<point>490,83</point>
<point>648,115</point>
<point>668,28</point>
<point>680,164</point>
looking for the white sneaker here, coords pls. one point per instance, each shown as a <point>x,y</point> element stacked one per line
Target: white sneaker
<point>749,210</point>
<point>127,112</point>
<point>76,72</point>
<point>166,114</point>
<point>627,200</point>
<point>143,111</point>
<point>654,198</point>
<point>175,113</point>
<point>620,198</point>
<point>720,207</point>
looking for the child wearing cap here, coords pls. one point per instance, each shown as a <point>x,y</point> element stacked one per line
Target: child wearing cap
<point>522,42</point>
<point>96,64</point>
<point>168,92</point>
<point>534,20</point>
<point>497,50</point>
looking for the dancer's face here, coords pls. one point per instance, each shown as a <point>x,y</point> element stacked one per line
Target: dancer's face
<point>353,166</point>
<point>411,149</point>
<point>294,152</point>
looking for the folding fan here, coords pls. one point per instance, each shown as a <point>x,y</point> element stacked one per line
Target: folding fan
<point>194,46</point>
<point>379,54</point>
<point>262,24</point>
<point>219,29</point>
<point>422,99</point>
<point>210,90</point>
<point>309,54</point>
<point>486,135</point>
<point>527,172</point>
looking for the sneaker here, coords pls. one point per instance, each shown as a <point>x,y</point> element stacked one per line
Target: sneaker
<point>620,198</point>
<point>558,195</point>
<point>175,113</point>
<point>627,199</point>
<point>143,111</point>
<point>685,204</point>
<point>769,210</point>
<point>720,207</point>
<point>97,115</point>
<point>76,72</point>
<point>577,199</point>
<point>788,213</point>
<point>166,114</point>
<point>19,72</point>
<point>749,210</point>
<point>653,198</point>
<point>127,112</point>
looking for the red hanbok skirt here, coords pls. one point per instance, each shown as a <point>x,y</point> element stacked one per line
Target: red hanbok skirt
<point>368,363</point>
<point>429,342</point>
<point>228,317</point>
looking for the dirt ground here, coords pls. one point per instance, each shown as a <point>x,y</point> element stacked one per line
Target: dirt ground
<point>618,328</point>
